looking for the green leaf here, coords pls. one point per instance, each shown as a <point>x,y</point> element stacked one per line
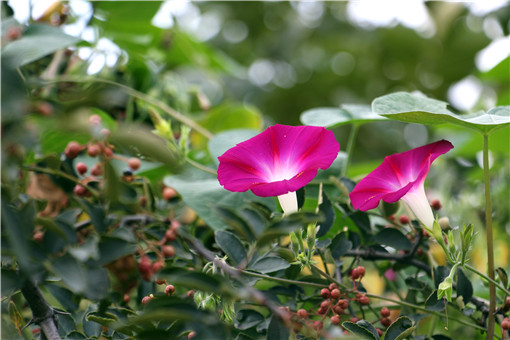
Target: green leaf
<point>287,225</point>
<point>248,318</point>
<point>223,141</point>
<point>277,330</point>
<point>201,192</point>
<point>10,281</point>
<point>36,42</point>
<point>368,326</point>
<point>464,286</point>
<point>112,248</point>
<point>236,222</point>
<point>98,283</point>
<point>329,215</point>
<point>231,245</point>
<point>72,272</point>
<point>393,238</point>
<point>196,280</point>
<point>503,276</point>
<point>229,117</point>
<point>417,108</point>
<point>330,117</point>
<point>433,303</point>
<point>400,329</point>
<point>269,264</point>
<point>340,245</point>
<point>358,330</point>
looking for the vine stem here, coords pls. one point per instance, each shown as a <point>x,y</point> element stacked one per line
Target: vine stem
<point>350,147</point>
<point>167,109</point>
<point>488,279</point>
<point>490,240</point>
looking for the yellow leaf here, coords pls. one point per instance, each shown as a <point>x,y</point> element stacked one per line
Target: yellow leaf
<point>15,316</point>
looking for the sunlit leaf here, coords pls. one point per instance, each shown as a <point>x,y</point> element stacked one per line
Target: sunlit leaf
<point>330,117</point>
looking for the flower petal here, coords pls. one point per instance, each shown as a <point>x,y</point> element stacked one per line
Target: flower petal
<point>397,175</point>
<point>279,160</point>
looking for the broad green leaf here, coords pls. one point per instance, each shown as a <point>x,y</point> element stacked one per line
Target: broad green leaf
<point>112,248</point>
<point>417,108</point>
<point>359,331</point>
<point>223,141</point>
<point>10,281</point>
<point>36,42</point>
<point>340,245</point>
<point>400,329</point>
<point>201,192</point>
<point>330,117</point>
<point>277,330</point>
<point>287,225</point>
<point>433,303</point>
<point>368,326</point>
<point>72,272</point>
<point>231,245</point>
<point>393,238</point>
<point>196,280</point>
<point>269,264</point>
<point>464,286</point>
<point>98,283</point>
<point>247,318</point>
<point>229,117</point>
<point>326,209</point>
<point>236,222</point>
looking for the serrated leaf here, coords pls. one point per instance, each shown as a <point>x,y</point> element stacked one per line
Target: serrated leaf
<point>393,238</point>
<point>358,330</point>
<point>330,117</point>
<point>231,245</point>
<point>400,329</point>
<point>417,108</point>
<point>269,264</point>
<point>369,327</point>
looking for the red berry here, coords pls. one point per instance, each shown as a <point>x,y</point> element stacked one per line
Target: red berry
<point>72,150</point>
<point>38,236</point>
<point>79,190</point>
<point>343,303</point>
<point>191,335</point>
<point>170,235</point>
<point>146,300</point>
<point>169,290</point>
<point>160,282</point>
<point>322,311</point>
<point>332,286</point>
<point>104,133</point>
<point>44,108</point>
<point>325,293</point>
<point>338,310</point>
<point>354,319</point>
<point>190,293</point>
<point>94,120</point>
<point>385,312</point>
<point>505,324</point>
<point>126,298</point>
<point>168,251</point>
<point>157,266</point>
<point>385,322</point>
<point>169,193</point>
<point>391,218</point>
<point>404,219</point>
<point>335,293</point>
<point>436,204</point>
<point>81,168</point>
<point>93,150</point>
<point>97,170</point>
<point>325,304</point>
<point>335,320</point>
<point>303,314</point>
<point>145,267</point>
<point>108,152</point>
<point>14,33</point>
<point>134,163</point>
<point>361,271</point>
<point>317,325</point>
<point>379,331</point>
<point>364,300</point>
<point>174,225</point>
<point>507,303</point>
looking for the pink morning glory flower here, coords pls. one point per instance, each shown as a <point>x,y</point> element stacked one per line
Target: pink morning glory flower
<point>278,161</point>
<point>401,176</point>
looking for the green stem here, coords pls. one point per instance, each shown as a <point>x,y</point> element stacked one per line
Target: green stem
<point>329,277</point>
<point>167,109</point>
<point>488,279</point>
<point>490,241</point>
<point>201,167</point>
<point>59,173</point>
<point>350,147</point>
<point>279,279</point>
